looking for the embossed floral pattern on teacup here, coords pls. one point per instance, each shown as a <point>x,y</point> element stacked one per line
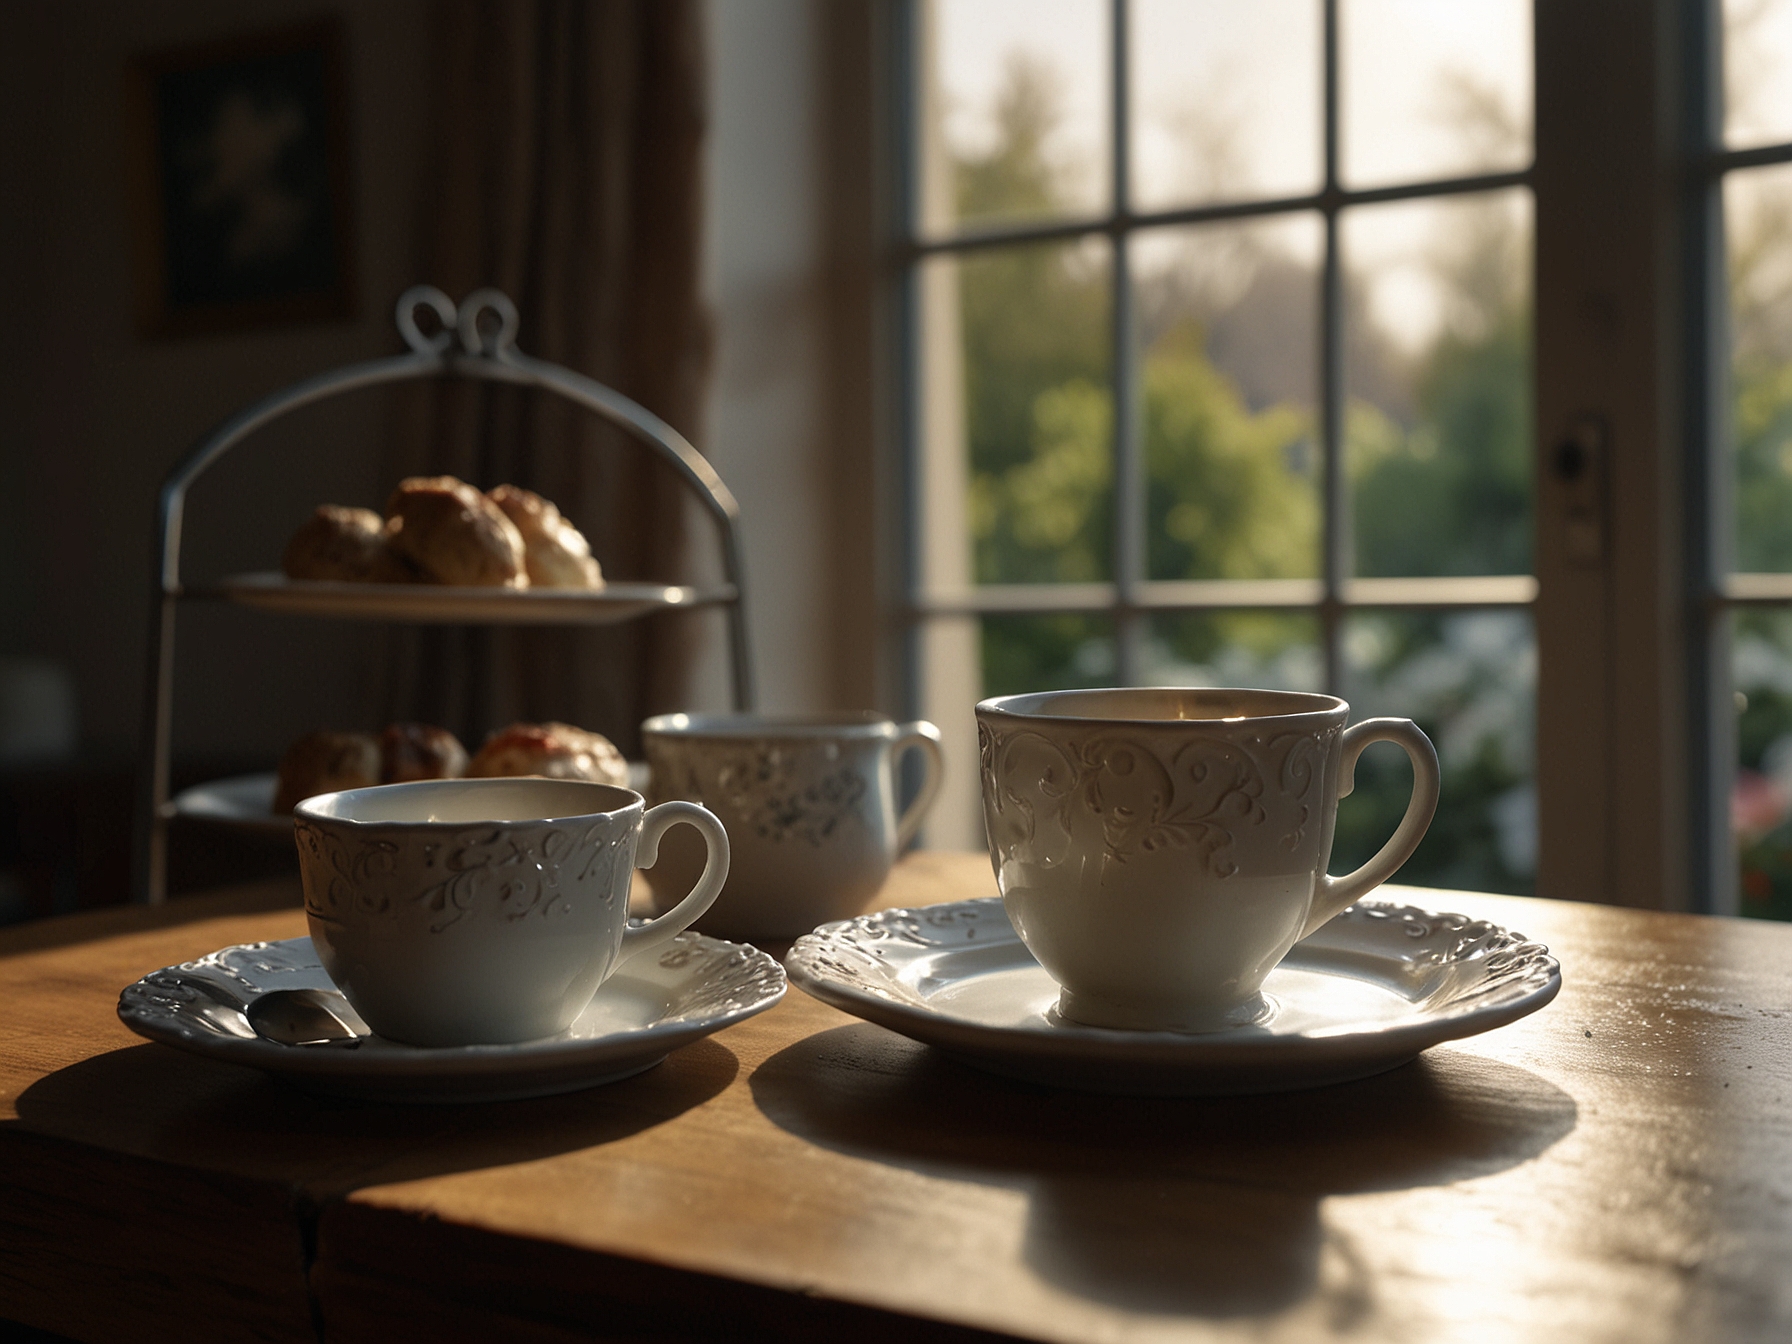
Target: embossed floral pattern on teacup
<point>810,803</point>
<point>506,872</point>
<point>1200,795</point>
<point>780,794</point>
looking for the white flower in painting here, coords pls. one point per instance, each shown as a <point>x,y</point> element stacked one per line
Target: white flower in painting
<point>239,159</point>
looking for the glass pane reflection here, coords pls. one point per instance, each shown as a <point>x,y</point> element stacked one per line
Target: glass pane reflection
<point>1469,679</point>
<point>1054,652</point>
<point>1437,327</point>
<point>1433,90</point>
<point>1275,650</point>
<point>1757,72</point>
<point>1229,334</point>
<point>1758,224</point>
<point>1761,797</point>
<point>1225,100</point>
<point>1035,407</point>
<point>1016,121</point>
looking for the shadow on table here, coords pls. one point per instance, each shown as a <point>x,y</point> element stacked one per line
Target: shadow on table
<point>1189,1206</point>
<point>278,894</point>
<point>155,1101</point>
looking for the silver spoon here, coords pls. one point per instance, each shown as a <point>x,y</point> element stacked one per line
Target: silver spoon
<point>305,1017</point>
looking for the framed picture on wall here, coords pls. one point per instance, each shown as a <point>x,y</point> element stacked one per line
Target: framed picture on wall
<point>240,155</point>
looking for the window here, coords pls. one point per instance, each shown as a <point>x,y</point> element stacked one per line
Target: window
<point>1284,343</point>
<point>1751,177</point>
<point>1221,323</point>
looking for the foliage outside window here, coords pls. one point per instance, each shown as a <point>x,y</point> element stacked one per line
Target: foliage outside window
<point>1228,328</point>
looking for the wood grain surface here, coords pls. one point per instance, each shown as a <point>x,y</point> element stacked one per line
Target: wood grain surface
<point>1616,1167</point>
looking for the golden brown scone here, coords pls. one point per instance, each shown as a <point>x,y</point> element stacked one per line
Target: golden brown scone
<point>557,750</point>
<point>454,535</point>
<point>390,566</point>
<point>420,751</point>
<point>324,762</point>
<point>347,545</point>
<point>554,551</point>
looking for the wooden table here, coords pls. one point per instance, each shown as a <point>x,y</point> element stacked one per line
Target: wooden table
<point>1616,1167</point>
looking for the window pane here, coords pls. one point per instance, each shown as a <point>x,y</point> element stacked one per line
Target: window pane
<point>1229,321</point>
<point>1273,649</point>
<point>1027,408</point>
<point>1758,222</point>
<point>1225,100</point>
<point>1046,653</point>
<point>1761,803</point>
<point>1438,378</point>
<point>1015,110</point>
<point>1469,680</point>
<point>1757,72</point>
<point>1432,90</point>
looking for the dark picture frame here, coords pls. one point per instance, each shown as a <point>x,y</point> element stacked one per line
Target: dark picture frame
<point>240,160</point>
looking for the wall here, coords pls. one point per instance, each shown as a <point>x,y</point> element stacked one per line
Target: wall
<point>792,269</point>
<point>94,416</point>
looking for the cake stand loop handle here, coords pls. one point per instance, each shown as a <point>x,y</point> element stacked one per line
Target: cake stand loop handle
<point>473,308</point>
<point>426,296</point>
<point>486,355</point>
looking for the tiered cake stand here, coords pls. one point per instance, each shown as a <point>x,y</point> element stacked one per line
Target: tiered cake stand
<point>476,340</point>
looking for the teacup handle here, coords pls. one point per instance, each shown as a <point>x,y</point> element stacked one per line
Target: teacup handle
<point>1337,892</point>
<point>924,735</point>
<point>655,823</point>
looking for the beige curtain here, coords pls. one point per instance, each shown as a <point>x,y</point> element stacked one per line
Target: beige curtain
<point>566,170</point>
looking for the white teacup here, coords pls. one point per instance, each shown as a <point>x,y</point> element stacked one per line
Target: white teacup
<point>485,911</point>
<point>1160,850</point>
<point>809,803</point>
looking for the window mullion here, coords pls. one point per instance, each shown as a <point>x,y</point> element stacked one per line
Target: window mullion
<point>1129,491</point>
<point>905,93</point>
<point>1336,560</point>
<point>1709,509</point>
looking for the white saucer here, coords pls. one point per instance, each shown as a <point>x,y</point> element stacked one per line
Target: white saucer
<point>246,802</point>
<point>1366,993</point>
<point>653,1005</point>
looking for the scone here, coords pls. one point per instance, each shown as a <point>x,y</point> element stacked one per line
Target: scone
<point>347,545</point>
<point>557,750</point>
<point>454,535</point>
<point>324,762</point>
<point>392,567</point>
<point>555,552</point>
<point>420,751</point>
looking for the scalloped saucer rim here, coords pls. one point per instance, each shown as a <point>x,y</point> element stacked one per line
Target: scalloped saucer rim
<point>694,987</point>
<point>957,977</point>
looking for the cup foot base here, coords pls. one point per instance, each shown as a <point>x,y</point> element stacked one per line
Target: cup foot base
<point>1085,1011</point>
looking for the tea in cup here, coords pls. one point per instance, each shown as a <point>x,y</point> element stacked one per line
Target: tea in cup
<point>485,911</point>
<point>810,807</point>
<point>1159,851</point>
